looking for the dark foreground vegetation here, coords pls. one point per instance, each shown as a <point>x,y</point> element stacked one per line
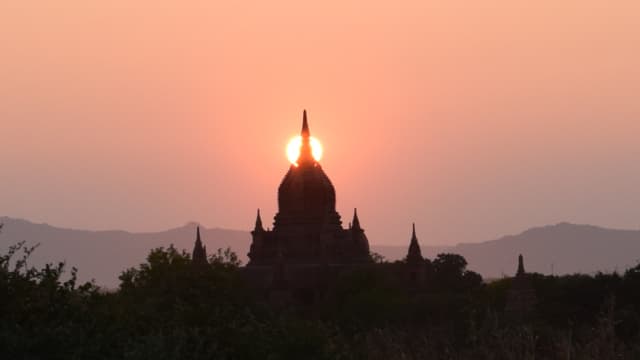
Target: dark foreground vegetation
<point>169,309</point>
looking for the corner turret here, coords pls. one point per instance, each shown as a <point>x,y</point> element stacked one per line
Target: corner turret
<point>258,226</point>
<point>414,254</point>
<point>199,251</point>
<point>355,224</point>
<point>521,271</point>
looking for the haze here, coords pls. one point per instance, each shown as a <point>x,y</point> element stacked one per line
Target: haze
<point>472,119</point>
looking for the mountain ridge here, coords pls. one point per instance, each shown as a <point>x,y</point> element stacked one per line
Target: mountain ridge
<point>102,255</point>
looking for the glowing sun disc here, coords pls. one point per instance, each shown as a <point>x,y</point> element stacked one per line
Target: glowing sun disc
<point>293,149</point>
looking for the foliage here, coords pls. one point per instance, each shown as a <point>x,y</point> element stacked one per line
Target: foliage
<point>450,272</point>
<point>41,314</point>
<point>170,308</point>
<point>377,258</point>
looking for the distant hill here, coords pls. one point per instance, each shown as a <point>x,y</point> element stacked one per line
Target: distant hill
<point>103,255</point>
<point>562,249</point>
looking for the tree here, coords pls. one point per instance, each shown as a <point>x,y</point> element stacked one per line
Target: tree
<point>450,273</point>
<point>377,258</point>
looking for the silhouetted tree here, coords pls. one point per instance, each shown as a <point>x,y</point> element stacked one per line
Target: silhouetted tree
<point>168,308</point>
<point>377,258</point>
<point>450,272</point>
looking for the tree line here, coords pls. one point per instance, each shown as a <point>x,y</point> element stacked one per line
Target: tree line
<point>167,308</point>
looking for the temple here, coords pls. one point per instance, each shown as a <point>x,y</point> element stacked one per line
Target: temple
<point>308,249</point>
<point>414,255</point>
<point>308,246</point>
<point>521,297</point>
<point>307,228</point>
<point>199,251</point>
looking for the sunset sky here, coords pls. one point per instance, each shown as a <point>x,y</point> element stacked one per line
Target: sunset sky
<point>473,119</point>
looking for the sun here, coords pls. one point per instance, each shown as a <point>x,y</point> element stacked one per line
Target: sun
<point>293,149</point>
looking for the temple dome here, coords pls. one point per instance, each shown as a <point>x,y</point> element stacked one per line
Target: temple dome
<point>307,229</point>
<point>306,195</point>
<point>306,190</point>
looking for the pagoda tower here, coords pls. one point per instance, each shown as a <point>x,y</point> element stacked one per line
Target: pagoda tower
<point>414,254</point>
<point>307,228</point>
<point>199,251</point>
<point>521,297</point>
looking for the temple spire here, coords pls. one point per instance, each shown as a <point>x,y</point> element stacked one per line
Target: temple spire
<point>355,224</point>
<point>520,266</point>
<point>258,222</point>
<point>414,254</point>
<point>305,125</point>
<point>199,251</point>
<point>306,156</point>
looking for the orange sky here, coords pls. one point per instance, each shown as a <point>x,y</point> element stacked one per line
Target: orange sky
<point>474,119</point>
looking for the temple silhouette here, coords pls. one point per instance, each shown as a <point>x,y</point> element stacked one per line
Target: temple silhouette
<point>307,228</point>
<point>308,248</point>
<point>521,298</point>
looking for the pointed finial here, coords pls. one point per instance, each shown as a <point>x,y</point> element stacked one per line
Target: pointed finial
<point>306,155</point>
<point>414,254</point>
<point>356,221</point>
<point>258,221</point>
<point>520,265</point>
<point>199,255</point>
<point>305,126</point>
